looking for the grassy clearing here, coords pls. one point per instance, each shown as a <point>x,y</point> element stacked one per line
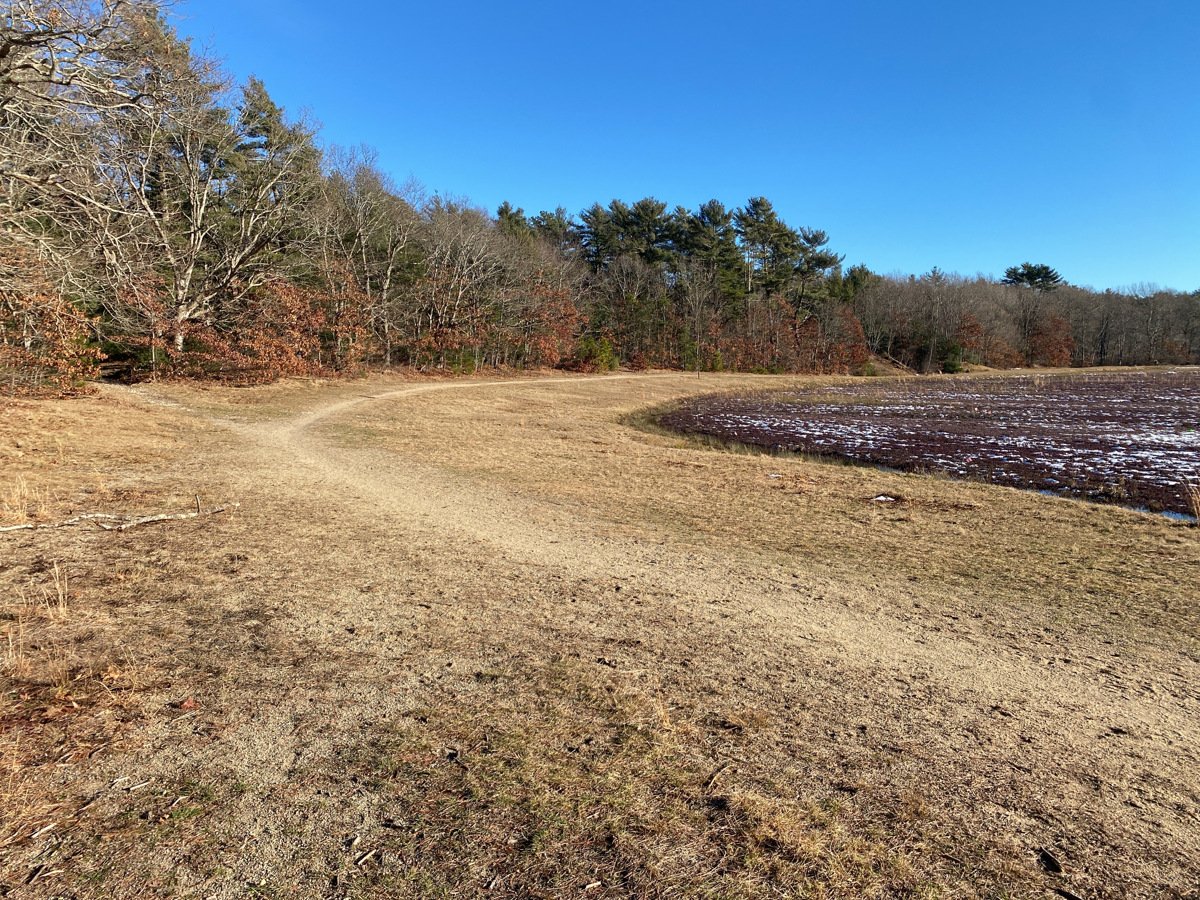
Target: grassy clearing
<point>499,642</point>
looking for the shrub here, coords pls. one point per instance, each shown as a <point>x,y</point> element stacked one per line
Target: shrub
<point>45,342</point>
<point>287,330</point>
<point>596,354</point>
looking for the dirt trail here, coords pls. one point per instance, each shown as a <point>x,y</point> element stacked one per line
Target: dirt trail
<point>768,607</point>
<point>527,531</point>
<point>505,558</point>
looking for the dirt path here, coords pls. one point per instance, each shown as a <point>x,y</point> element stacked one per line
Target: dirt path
<point>484,638</point>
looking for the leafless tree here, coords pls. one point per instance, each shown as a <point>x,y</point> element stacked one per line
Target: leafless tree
<point>59,76</point>
<point>463,269</point>
<point>127,167</point>
<point>697,284</point>
<point>366,227</point>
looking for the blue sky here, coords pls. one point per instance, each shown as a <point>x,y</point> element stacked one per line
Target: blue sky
<point>962,135</point>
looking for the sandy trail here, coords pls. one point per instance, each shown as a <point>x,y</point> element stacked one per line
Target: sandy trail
<point>493,538</point>
<point>723,596</point>
<point>527,531</point>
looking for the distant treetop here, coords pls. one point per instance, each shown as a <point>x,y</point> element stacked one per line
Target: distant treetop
<point>1038,276</point>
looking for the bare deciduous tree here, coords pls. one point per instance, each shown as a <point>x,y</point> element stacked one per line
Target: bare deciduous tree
<point>366,228</point>
<point>127,170</point>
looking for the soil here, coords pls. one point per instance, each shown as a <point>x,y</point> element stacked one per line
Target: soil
<point>488,638</point>
<point>1120,437</point>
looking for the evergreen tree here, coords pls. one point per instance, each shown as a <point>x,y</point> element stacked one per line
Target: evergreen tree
<point>557,229</point>
<point>709,238</point>
<point>1037,276</point>
<point>512,221</point>
<point>770,247</point>
<point>645,229</point>
<point>815,261</point>
<point>273,177</point>
<point>598,236</point>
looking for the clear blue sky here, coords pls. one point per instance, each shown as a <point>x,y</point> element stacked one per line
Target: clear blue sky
<point>970,136</point>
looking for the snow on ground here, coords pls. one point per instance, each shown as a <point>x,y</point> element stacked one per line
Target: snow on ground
<point>1123,437</point>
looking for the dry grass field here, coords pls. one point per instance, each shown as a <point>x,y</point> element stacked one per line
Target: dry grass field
<point>491,638</point>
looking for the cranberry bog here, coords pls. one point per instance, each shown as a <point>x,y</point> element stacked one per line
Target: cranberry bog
<point>1130,438</point>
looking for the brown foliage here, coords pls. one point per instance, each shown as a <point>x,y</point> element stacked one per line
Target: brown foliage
<point>287,330</point>
<point>970,335</point>
<point>1050,343</point>
<point>44,348</point>
<point>554,322</point>
<point>1002,355</point>
<point>834,346</point>
<point>850,352</point>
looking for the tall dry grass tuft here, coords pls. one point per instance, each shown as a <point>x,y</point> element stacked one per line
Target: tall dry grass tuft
<point>11,784</point>
<point>52,606</point>
<point>20,503</point>
<point>14,662</point>
<point>54,598</point>
<point>1191,492</point>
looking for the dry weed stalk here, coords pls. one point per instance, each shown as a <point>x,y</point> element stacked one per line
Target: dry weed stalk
<point>15,662</point>
<point>54,599</point>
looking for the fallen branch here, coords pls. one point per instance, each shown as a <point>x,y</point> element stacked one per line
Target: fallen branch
<point>124,522</point>
<point>87,517</point>
<point>161,517</point>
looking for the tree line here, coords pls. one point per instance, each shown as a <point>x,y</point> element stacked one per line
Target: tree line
<point>158,218</point>
<point>939,322</point>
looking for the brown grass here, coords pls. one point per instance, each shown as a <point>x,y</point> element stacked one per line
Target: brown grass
<point>495,641</point>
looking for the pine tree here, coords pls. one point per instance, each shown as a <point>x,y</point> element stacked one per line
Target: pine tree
<point>1037,276</point>
<point>770,247</point>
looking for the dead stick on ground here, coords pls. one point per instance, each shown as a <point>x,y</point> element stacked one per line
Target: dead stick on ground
<point>74,520</point>
<point>125,522</point>
<point>162,517</point>
<point>712,779</point>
